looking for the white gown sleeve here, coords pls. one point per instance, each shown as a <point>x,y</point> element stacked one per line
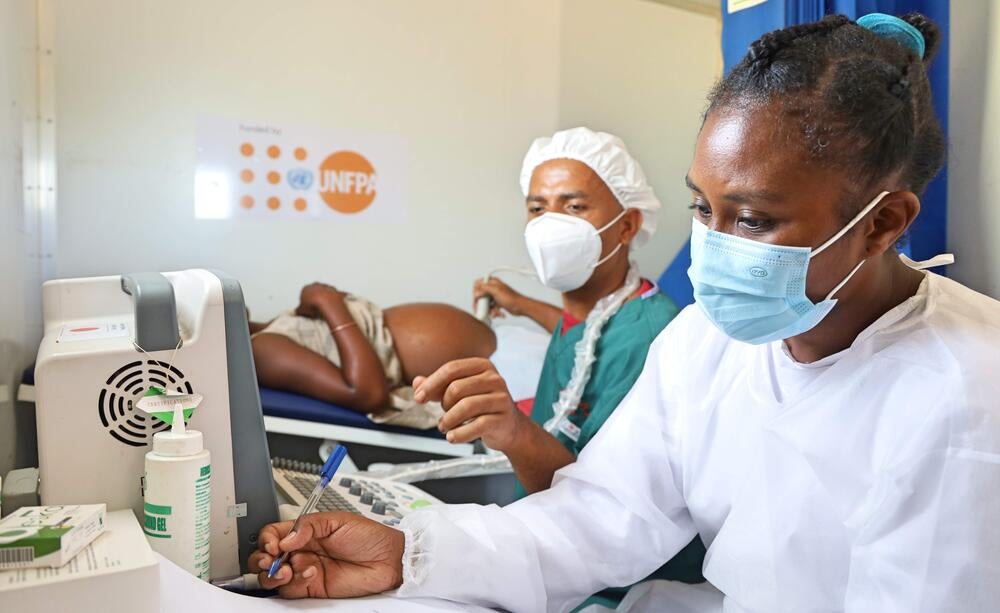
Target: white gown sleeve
<point>933,542</point>
<point>610,519</point>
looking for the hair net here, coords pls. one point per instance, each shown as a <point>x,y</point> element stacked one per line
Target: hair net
<point>606,155</point>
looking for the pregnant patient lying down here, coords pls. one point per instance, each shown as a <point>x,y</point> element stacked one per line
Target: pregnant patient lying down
<point>346,350</point>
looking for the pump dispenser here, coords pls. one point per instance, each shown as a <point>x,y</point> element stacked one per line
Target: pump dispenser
<point>178,441</point>
<point>177,495</point>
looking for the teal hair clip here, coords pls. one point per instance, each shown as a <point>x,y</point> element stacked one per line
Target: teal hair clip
<point>889,26</point>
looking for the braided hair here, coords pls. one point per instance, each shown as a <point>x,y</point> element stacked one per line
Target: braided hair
<point>854,99</point>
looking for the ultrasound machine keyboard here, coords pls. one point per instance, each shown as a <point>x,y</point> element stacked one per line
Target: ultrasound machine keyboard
<point>381,500</point>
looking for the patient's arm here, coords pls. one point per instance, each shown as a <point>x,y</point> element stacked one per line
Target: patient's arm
<point>358,383</point>
<point>256,326</point>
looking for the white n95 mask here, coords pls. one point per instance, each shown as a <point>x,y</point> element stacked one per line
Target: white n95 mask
<point>565,249</point>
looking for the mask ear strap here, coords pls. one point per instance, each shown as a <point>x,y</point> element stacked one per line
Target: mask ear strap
<point>613,221</point>
<point>616,249</point>
<point>871,205</point>
<point>609,256</point>
<point>943,259</point>
<point>846,279</point>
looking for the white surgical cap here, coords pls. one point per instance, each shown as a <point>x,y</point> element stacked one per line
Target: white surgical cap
<point>605,154</point>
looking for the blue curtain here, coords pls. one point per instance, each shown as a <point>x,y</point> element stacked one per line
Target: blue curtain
<point>928,235</point>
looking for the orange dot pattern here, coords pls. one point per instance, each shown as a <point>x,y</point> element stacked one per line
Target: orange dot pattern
<point>274,177</point>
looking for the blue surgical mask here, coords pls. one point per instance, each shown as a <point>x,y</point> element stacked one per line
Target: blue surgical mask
<point>756,292</point>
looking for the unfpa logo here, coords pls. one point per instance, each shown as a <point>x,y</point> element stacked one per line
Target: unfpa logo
<point>347,182</point>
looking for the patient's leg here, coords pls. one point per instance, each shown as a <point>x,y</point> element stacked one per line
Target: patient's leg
<point>283,364</point>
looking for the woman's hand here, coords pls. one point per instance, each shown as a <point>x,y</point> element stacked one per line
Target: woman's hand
<point>502,297</point>
<point>476,401</point>
<point>333,555</point>
<point>315,297</point>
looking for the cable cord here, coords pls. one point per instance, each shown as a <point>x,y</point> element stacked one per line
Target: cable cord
<point>441,469</point>
<point>526,272</point>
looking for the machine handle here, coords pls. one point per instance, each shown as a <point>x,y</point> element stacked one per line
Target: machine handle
<point>155,310</point>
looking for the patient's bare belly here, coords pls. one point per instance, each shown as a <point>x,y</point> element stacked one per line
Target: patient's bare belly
<point>428,335</point>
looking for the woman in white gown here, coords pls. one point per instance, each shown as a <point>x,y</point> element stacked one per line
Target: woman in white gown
<point>827,418</point>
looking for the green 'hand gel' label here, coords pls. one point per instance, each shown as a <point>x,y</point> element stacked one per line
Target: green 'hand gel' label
<point>154,521</point>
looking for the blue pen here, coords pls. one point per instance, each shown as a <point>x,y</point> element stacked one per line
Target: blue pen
<point>326,475</point>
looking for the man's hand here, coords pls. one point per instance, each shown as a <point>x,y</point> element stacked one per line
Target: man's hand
<point>476,401</point>
<point>502,297</point>
<point>333,555</point>
<point>315,297</point>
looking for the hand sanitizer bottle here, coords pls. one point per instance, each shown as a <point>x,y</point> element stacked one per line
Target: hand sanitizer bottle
<point>177,509</point>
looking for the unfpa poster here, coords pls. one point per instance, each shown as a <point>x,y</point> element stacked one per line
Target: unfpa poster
<point>269,171</point>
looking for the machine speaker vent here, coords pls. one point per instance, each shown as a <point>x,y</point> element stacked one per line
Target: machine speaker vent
<point>123,422</point>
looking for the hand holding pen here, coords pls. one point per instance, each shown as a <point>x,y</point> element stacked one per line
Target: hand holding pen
<point>326,475</point>
<point>335,554</point>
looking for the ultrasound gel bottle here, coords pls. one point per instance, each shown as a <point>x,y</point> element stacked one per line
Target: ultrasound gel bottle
<point>177,497</point>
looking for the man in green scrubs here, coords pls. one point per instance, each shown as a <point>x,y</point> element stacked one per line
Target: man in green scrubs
<point>588,203</point>
<point>621,354</point>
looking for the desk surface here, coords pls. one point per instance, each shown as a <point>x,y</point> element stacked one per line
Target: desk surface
<point>180,592</point>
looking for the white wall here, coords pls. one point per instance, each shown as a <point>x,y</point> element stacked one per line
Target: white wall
<point>642,71</point>
<point>468,83</point>
<point>974,152</point>
<point>20,294</point>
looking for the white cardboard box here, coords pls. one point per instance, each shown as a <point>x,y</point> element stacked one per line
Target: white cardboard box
<point>28,534</point>
<point>117,573</point>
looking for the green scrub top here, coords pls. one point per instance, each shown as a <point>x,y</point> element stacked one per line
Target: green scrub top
<point>621,355</point>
